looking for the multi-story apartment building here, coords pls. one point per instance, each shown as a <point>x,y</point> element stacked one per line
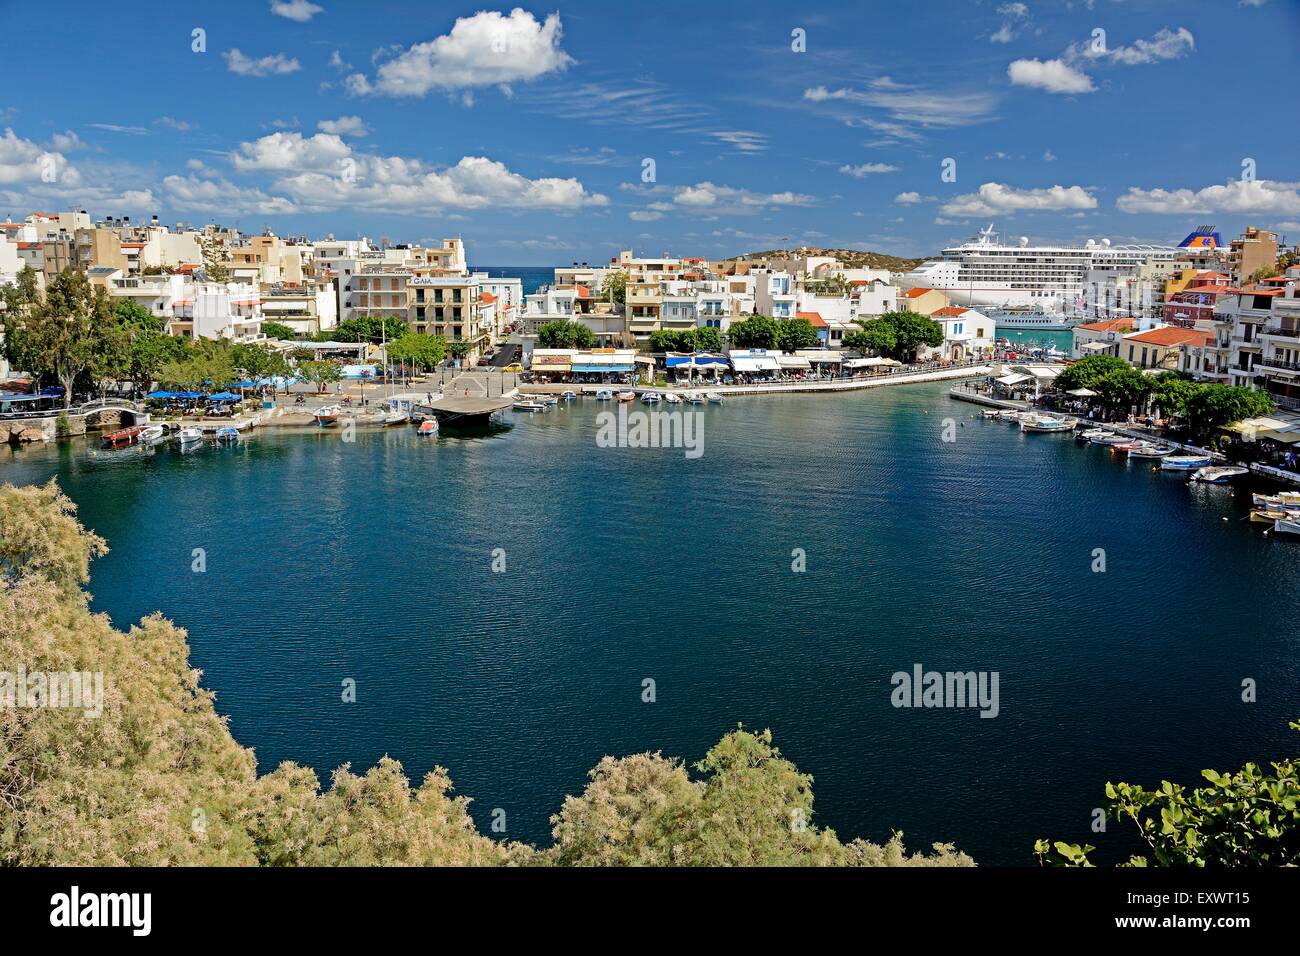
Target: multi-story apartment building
<point>1253,250</point>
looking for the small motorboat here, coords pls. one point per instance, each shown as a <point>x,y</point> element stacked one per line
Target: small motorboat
<point>992,413</point>
<point>568,395</point>
<point>626,396</point>
<point>1288,499</point>
<point>394,417</point>
<point>672,398</point>
<point>228,435</point>
<point>150,434</point>
<point>1148,450</point>
<point>1124,447</point>
<point>1049,425</point>
<point>695,398</point>
<point>604,395</point>
<point>527,405</point>
<point>428,427</point>
<point>1288,525</point>
<point>189,435</point>
<point>123,437</point>
<point>1100,436</point>
<point>1219,474</point>
<point>650,398</point>
<point>1269,516</point>
<point>714,398</point>
<point>329,415</point>
<point>1185,462</point>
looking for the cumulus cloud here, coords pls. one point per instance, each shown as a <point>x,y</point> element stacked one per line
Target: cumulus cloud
<point>275,65</point>
<point>299,10</point>
<point>323,172</point>
<point>221,197</point>
<point>1234,196</point>
<point>911,198</point>
<point>23,161</point>
<point>344,126</point>
<point>997,198</point>
<point>1054,76</point>
<point>641,216</point>
<point>485,49</point>
<point>709,195</point>
<point>866,169</point>
<point>67,142</point>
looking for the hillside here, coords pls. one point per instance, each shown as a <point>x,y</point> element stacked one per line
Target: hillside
<point>852,258</point>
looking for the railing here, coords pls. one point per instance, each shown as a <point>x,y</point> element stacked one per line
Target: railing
<point>1278,363</point>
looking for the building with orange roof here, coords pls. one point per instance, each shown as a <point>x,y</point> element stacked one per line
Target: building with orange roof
<point>1100,338</point>
<point>1161,347</point>
<point>923,301</point>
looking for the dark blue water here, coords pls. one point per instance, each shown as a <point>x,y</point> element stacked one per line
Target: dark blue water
<point>533,277</point>
<point>372,561</point>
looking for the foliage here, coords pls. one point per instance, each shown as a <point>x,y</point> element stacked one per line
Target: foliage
<point>278,330</point>
<point>1085,372</point>
<point>157,779</point>
<point>876,336</point>
<point>756,332</point>
<point>912,332</point>
<point>562,334</point>
<point>1246,818</point>
<point>1121,389</point>
<point>214,259</point>
<point>707,339</point>
<point>615,282</point>
<point>458,348</point>
<point>418,350</point>
<point>368,329</point>
<point>322,373</point>
<point>794,334</point>
<point>1215,405</point>
<point>702,339</point>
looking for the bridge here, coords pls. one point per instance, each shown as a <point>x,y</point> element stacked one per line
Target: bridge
<point>95,407</point>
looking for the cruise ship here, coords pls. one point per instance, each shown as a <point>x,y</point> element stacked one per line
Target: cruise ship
<point>1034,286</point>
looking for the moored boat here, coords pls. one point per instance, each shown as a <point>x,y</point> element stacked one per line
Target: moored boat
<point>123,437</point>
<point>529,406</point>
<point>1290,499</point>
<point>1218,474</point>
<point>152,433</point>
<point>329,415</point>
<point>1268,516</point>
<point>695,398</point>
<point>672,398</point>
<point>1046,425</point>
<point>1148,450</point>
<point>189,435</point>
<point>228,435</point>
<point>568,395</point>
<point>395,417</point>
<point>1288,525</point>
<point>627,396</point>
<point>604,395</point>
<point>428,427</point>
<point>714,397</point>
<point>650,398</point>
<point>1185,462</point>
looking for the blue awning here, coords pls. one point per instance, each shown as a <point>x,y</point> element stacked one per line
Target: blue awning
<point>21,397</point>
<point>675,360</point>
<point>603,368</point>
<point>223,397</point>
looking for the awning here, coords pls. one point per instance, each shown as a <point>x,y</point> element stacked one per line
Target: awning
<point>793,361</point>
<point>1095,346</point>
<point>552,367</point>
<point>865,362</point>
<point>1081,392</point>
<point>1283,430</point>
<point>592,368</point>
<point>821,356</point>
<point>754,363</point>
<point>1010,380</point>
<point>1041,371</point>
<point>223,397</point>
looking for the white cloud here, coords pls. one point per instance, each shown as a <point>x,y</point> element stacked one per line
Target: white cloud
<point>1166,44</point>
<point>1054,76</point>
<point>912,104</point>
<point>221,197</point>
<point>1011,13</point>
<point>639,216</point>
<point>170,122</point>
<point>709,195</point>
<point>486,49</point>
<point>911,198</point>
<point>117,128</point>
<point>996,199</point>
<point>1235,196</point>
<point>344,126</point>
<point>299,10</point>
<point>275,65</point>
<point>66,142</point>
<point>337,61</point>
<point>22,161</point>
<point>866,169</point>
<point>323,172</point>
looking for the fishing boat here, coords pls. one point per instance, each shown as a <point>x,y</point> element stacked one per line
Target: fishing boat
<point>1148,450</point>
<point>604,395</point>
<point>1046,425</point>
<point>650,398</point>
<point>1124,447</point>
<point>123,437</point>
<point>228,435</point>
<point>1099,436</point>
<point>627,396</point>
<point>695,398</point>
<point>329,415</point>
<point>189,435</point>
<point>1185,462</point>
<point>394,417</point>
<point>672,398</point>
<point>529,406</point>
<point>1288,525</point>
<point>568,395</point>
<point>428,427</point>
<point>150,434</point>
<point>714,397</point>
<point>1289,499</point>
<point>1269,516</point>
<point>992,413</point>
<point>1219,474</point>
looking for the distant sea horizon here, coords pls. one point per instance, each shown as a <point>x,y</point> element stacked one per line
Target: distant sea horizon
<point>533,277</point>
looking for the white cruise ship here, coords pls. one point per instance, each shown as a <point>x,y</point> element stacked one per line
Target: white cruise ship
<point>1038,285</point>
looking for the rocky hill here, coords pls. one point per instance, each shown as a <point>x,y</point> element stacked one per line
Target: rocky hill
<point>852,258</point>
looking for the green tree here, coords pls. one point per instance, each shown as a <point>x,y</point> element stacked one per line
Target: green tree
<point>320,373</point>
<point>562,334</point>
<point>418,351</point>
<point>615,283</point>
<point>756,332</point>
<point>793,334</point>
<point>459,348</point>
<point>1085,372</point>
<point>214,259</point>
<point>707,339</point>
<point>1247,818</point>
<point>1121,389</point>
<point>912,332</point>
<point>876,337</point>
<point>370,329</point>
<point>1217,405</point>
<point>278,330</point>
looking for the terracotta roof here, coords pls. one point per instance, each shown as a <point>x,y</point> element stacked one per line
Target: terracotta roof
<point>29,245</point>
<point>814,318</point>
<point>487,298</point>
<point>12,225</point>
<point>1109,325</point>
<point>950,311</point>
<point>1170,336</point>
<point>916,293</point>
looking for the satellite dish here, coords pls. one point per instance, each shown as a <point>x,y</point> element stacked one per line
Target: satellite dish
<point>1106,243</point>
<point>1024,241</point>
<point>1090,244</point>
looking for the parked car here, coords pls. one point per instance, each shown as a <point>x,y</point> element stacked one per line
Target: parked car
<point>513,367</point>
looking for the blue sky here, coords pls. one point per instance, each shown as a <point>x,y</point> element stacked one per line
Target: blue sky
<point>547,135</point>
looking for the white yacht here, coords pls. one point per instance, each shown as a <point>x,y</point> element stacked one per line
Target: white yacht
<point>1035,285</point>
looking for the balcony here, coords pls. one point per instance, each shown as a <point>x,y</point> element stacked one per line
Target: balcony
<point>1280,332</point>
<point>1278,364</point>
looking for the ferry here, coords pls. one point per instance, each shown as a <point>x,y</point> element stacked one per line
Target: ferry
<point>1035,285</point>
